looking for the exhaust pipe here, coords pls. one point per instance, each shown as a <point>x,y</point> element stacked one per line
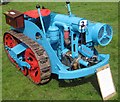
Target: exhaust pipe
<point>38,8</point>
<point>68,7</point>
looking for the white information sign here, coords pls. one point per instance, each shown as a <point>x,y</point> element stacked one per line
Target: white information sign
<point>105,81</point>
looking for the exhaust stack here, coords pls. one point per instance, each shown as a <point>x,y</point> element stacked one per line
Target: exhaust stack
<point>38,8</point>
<point>68,7</point>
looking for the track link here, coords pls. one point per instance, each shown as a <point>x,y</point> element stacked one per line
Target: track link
<point>40,53</point>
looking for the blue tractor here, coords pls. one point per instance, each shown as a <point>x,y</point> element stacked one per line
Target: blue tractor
<point>41,42</point>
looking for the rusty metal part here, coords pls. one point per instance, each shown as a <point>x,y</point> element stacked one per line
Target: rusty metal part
<point>40,54</point>
<point>67,41</point>
<point>75,66</point>
<point>68,53</point>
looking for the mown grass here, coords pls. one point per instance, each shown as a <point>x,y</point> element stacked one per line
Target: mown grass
<point>17,87</point>
<point>0,54</point>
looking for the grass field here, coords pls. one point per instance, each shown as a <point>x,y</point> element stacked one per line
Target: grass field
<point>17,87</point>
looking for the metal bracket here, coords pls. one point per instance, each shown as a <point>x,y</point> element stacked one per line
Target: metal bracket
<point>74,45</point>
<point>17,50</point>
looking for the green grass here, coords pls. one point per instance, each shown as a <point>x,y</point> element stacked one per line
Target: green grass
<point>17,87</point>
<point>0,53</point>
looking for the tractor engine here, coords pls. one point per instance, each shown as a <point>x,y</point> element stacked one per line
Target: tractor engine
<point>74,39</point>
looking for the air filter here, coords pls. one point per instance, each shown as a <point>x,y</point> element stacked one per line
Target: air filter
<point>104,35</point>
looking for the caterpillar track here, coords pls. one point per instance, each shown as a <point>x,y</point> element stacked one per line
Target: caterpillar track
<point>40,54</point>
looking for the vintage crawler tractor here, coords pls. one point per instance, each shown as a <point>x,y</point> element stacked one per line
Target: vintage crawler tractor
<point>41,42</point>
